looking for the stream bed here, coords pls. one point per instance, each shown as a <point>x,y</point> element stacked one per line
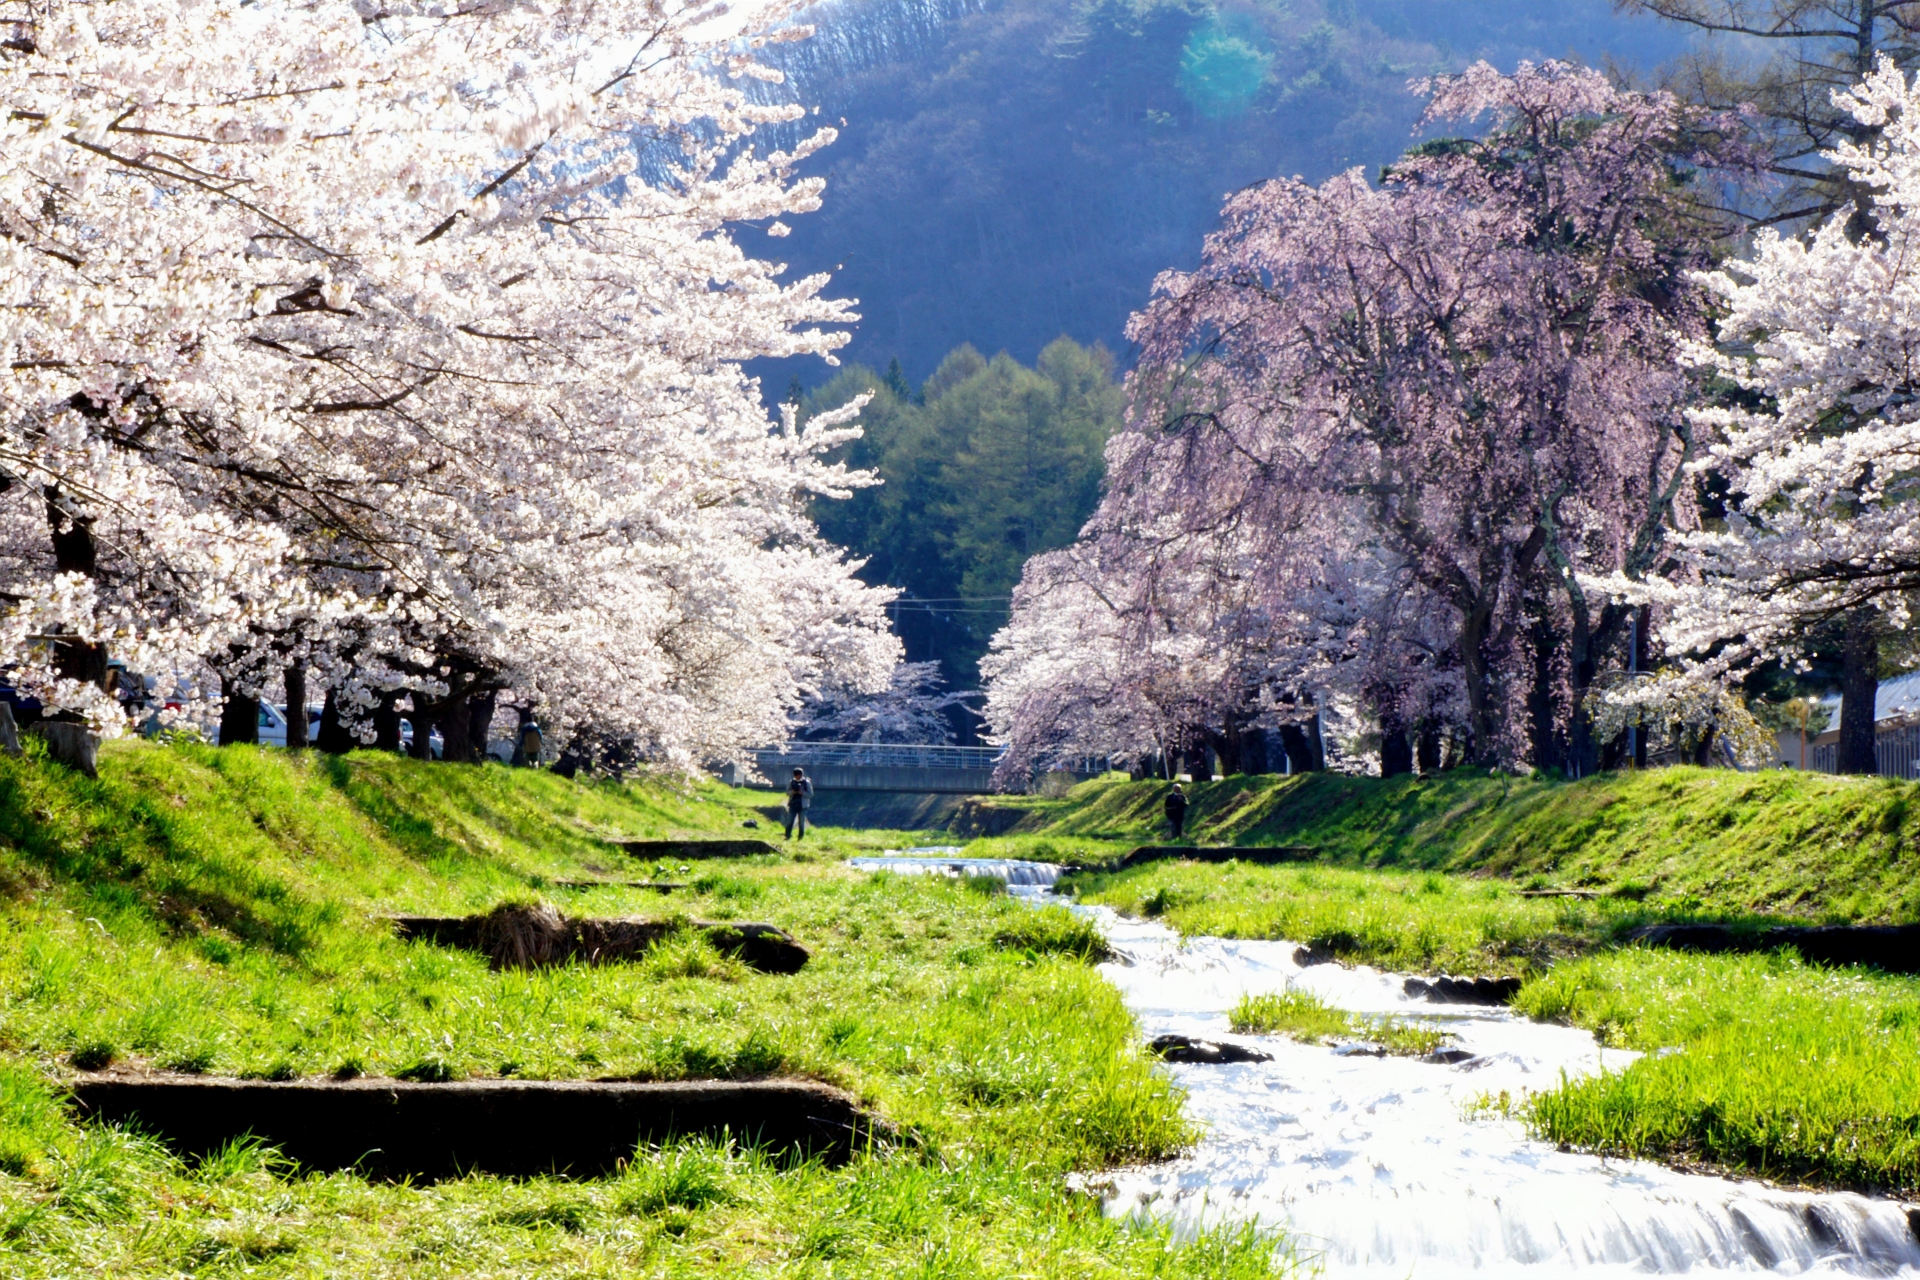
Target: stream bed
<point>1383,1166</point>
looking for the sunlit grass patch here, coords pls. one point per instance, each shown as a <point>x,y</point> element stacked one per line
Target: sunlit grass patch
<point>218,911</point>
<point>1303,1017</point>
<point>1051,930</point>
<point>1421,922</point>
<point>1756,1063</point>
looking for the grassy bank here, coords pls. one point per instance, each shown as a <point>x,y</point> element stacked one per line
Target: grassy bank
<point>216,910</point>
<point>1778,843</point>
<point>1758,1064</point>
<point>1419,922</point>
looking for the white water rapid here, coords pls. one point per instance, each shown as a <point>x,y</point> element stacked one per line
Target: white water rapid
<point>924,860</point>
<point>1373,1167</point>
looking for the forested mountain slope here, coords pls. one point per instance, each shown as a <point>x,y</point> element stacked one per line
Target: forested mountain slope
<point>986,463</point>
<point>1013,170</point>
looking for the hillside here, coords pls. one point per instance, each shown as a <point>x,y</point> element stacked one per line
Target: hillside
<point>218,911</point>
<point>1780,842</point>
<point>1008,171</point>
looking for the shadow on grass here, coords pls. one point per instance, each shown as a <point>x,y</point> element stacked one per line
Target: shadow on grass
<point>125,849</point>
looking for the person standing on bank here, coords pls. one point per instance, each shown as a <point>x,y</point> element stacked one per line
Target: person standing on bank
<point>1176,810</point>
<point>799,800</point>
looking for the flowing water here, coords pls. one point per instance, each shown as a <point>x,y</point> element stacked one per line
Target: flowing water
<point>927,860</point>
<point>1383,1166</point>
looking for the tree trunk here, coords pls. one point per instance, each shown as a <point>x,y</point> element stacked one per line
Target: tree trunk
<point>1299,749</point>
<point>479,723</point>
<point>74,551</point>
<point>334,738</point>
<point>1396,742</point>
<point>1703,754</point>
<point>1639,663</point>
<point>1226,749</point>
<point>1859,690</point>
<point>1197,764</point>
<point>1544,745</point>
<point>1477,674</point>
<point>1396,753</point>
<point>1427,749</point>
<point>296,705</point>
<point>239,715</point>
<point>455,717</point>
<point>386,723</point>
<point>420,720</point>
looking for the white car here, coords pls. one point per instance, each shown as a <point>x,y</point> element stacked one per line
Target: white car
<point>273,725</point>
<point>435,743</point>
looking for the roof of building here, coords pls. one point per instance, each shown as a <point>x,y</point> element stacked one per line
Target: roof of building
<point>1898,699</point>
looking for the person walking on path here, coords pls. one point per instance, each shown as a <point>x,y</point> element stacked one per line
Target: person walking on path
<point>1176,810</point>
<point>799,800</point>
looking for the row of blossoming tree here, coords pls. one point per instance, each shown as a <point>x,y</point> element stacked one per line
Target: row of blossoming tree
<point>389,354</point>
<point>1501,456</point>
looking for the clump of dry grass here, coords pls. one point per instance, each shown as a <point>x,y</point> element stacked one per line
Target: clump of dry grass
<point>534,935</point>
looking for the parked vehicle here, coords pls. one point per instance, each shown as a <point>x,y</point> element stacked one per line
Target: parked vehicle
<point>435,743</point>
<point>273,725</point>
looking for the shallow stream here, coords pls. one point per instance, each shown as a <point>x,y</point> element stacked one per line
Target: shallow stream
<point>1383,1166</point>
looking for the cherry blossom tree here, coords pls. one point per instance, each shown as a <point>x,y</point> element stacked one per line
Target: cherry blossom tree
<point>915,707</point>
<point>1819,450</point>
<point>404,345</point>
<point>1458,388</point>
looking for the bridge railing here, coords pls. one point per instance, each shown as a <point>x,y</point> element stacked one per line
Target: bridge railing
<point>883,755</point>
<point>889,766</point>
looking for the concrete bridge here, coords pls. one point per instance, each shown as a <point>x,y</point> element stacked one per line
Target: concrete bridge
<point>908,768</point>
<point>859,766</point>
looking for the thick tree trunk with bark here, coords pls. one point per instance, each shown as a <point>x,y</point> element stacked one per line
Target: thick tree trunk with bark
<point>1703,753</point>
<point>239,715</point>
<point>1427,749</point>
<point>1301,757</point>
<point>1543,725</point>
<point>334,738</point>
<point>1396,738</point>
<point>455,718</point>
<point>1199,765</point>
<point>296,681</point>
<point>386,723</point>
<point>1639,663</point>
<point>1859,690</point>
<point>1477,675</point>
<point>1226,747</point>
<point>1396,753</point>
<point>479,722</point>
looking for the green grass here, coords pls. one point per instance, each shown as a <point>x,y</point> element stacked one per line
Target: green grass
<point>1776,843</point>
<point>1772,1067</point>
<point>1300,1016</point>
<point>216,910</point>
<point>1421,922</point>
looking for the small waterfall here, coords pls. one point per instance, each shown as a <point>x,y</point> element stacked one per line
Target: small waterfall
<point>1375,1167</point>
<point>925,860</point>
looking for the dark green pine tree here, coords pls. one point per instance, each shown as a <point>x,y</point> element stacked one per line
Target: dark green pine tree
<point>897,381</point>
